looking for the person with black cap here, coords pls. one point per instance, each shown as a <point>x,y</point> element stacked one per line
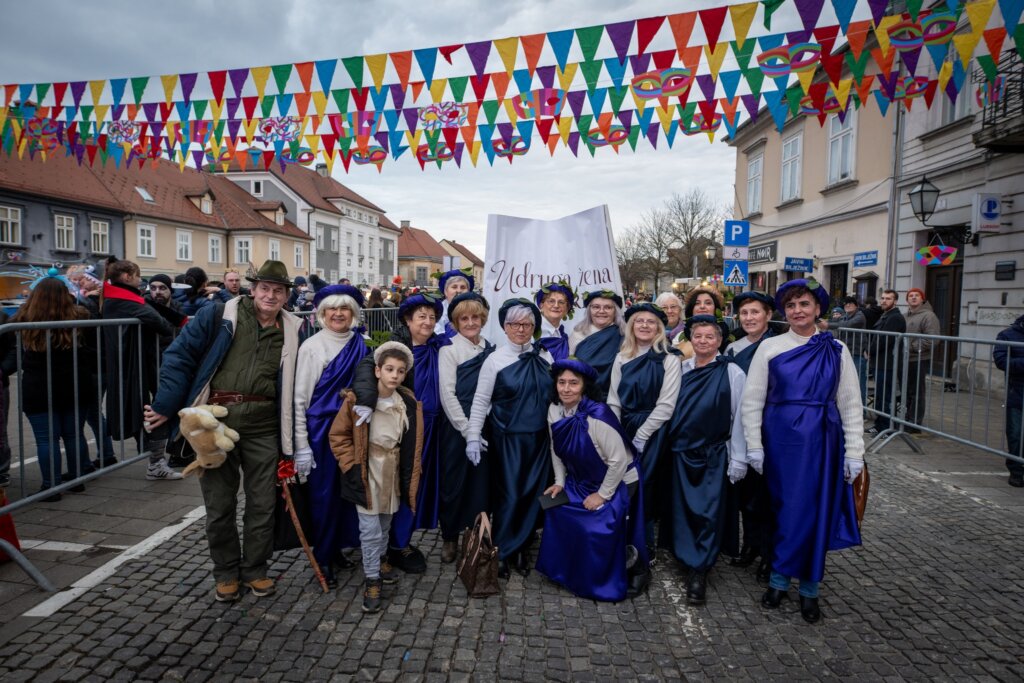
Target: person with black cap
<point>707,449</point>
<point>754,314</point>
<point>601,518</point>
<point>803,422</point>
<point>241,355</point>
<point>301,298</point>
<point>451,284</point>
<point>464,482</point>
<point>557,303</point>
<point>513,392</point>
<point>326,365</point>
<point>644,387</point>
<point>597,337</point>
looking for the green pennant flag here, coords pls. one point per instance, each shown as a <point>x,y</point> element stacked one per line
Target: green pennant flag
<point>584,123</point>
<point>794,95</point>
<point>858,66</point>
<point>686,114</point>
<point>41,90</point>
<point>914,7</point>
<point>267,105</point>
<point>341,99</point>
<point>199,109</point>
<point>589,39</point>
<point>491,111</point>
<point>616,95</point>
<point>743,54</point>
<point>139,84</point>
<point>634,135</point>
<point>1018,38</point>
<point>282,72</point>
<point>592,73</point>
<point>988,66</point>
<point>769,9</point>
<point>432,138</point>
<point>86,110</point>
<point>346,143</point>
<point>218,132</point>
<point>354,67</point>
<point>754,78</point>
<point>458,86</point>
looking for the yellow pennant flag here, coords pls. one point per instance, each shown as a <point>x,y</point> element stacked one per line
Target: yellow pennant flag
<point>437,89</point>
<point>805,78</point>
<point>945,73</point>
<point>3,116</point>
<point>250,129</point>
<point>313,142</point>
<point>169,82</point>
<point>96,88</point>
<point>181,160</point>
<point>507,49</point>
<point>640,102</point>
<point>329,160</point>
<point>565,78</point>
<point>216,109</point>
<point>474,151</point>
<point>377,64</point>
<point>564,128</point>
<point>512,116</point>
<point>978,14</point>
<point>320,102</point>
<point>260,74</point>
<point>414,138</point>
<point>742,17</point>
<point>965,44</point>
<point>882,31</point>
<point>715,58</point>
<point>22,147</point>
<point>101,112</point>
<point>665,114</point>
<point>842,91</point>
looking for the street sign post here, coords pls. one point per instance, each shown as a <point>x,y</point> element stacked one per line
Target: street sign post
<point>736,273</point>
<point>737,234</point>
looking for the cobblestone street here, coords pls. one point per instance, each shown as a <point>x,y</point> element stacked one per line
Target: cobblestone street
<point>936,592</point>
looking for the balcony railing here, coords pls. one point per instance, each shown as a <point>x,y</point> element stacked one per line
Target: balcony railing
<point>1002,102</point>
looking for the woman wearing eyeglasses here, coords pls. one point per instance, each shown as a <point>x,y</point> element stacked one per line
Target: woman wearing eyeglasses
<point>597,338</point>
<point>513,393</point>
<point>556,302</point>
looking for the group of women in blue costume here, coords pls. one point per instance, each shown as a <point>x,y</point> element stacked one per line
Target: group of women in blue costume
<point>557,303</point>
<point>465,483</point>
<point>597,337</point>
<point>326,364</point>
<point>802,415</point>
<point>644,387</point>
<point>601,518</point>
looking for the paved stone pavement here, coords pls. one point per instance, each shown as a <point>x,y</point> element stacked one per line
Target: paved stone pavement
<point>935,593</point>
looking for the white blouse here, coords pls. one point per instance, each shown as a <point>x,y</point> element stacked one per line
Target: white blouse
<point>449,359</point>
<point>495,363</point>
<point>314,356</point>
<point>667,397</point>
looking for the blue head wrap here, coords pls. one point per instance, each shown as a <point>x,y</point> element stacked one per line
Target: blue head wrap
<point>509,303</point>
<point>693,320</point>
<point>417,300</point>
<point>443,280</point>
<point>602,294</point>
<point>810,283</point>
<point>576,365</point>
<point>647,307</point>
<point>334,290</point>
<point>570,296</point>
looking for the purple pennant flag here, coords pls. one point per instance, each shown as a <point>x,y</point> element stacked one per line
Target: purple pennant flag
<point>79,152</point>
<point>116,112</point>
<point>77,88</point>
<point>626,118</point>
<point>157,129</point>
<point>546,75</point>
<point>238,77</point>
<point>707,86</point>
<point>888,84</point>
<point>640,63</point>
<point>397,96</point>
<point>478,54</point>
<point>459,147</point>
<point>809,11</point>
<point>751,103</point>
<point>233,126</point>
<point>574,143</point>
<point>576,99</point>
<point>198,157</point>
<point>652,135</point>
<point>188,81</point>
<point>233,103</point>
<point>412,117</point>
<point>620,35</point>
<point>878,8</point>
<point>149,111</point>
<point>382,139</point>
<point>505,131</point>
<point>910,58</point>
<point>794,37</point>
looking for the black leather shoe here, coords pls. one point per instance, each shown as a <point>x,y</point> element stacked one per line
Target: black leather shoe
<point>637,582</point>
<point>341,563</point>
<point>409,559</point>
<point>503,569</point>
<point>521,562</point>
<point>809,609</point>
<point>772,598</point>
<point>745,559</point>
<point>332,581</point>
<point>764,571</point>
<point>696,588</point>
<point>1016,481</point>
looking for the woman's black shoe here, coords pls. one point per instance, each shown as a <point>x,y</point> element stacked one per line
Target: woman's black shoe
<point>696,589</point>
<point>332,581</point>
<point>340,562</point>
<point>78,488</point>
<point>521,562</point>
<point>503,569</point>
<point>772,598</point>
<point>809,609</point>
<point>745,559</point>
<point>764,571</point>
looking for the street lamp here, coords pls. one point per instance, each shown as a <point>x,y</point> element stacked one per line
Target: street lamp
<point>923,199</point>
<point>711,252</point>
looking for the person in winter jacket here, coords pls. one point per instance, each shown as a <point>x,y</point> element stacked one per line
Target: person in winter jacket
<point>883,359</point>
<point>853,319</point>
<point>1011,361</point>
<point>921,319</point>
<point>201,294</point>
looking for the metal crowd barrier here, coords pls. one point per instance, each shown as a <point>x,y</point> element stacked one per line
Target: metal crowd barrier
<point>948,387</point>
<point>382,320</point>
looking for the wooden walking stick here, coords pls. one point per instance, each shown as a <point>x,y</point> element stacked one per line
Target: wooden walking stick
<point>286,471</point>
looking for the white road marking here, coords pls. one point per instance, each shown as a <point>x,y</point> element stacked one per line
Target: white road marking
<point>692,626</point>
<point>969,474</point>
<point>65,547</point>
<point>97,576</point>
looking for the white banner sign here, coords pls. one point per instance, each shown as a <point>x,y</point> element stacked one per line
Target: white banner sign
<point>525,253</point>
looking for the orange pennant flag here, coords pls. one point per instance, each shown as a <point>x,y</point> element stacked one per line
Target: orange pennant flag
<point>994,38</point>
<point>417,88</point>
<point>864,89</point>
<point>500,82</point>
<point>856,34</point>
<point>402,61</point>
<point>302,103</point>
<point>682,27</point>
<point>532,47</point>
<point>305,71</point>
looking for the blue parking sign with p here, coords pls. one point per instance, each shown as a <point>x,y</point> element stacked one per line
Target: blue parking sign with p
<point>737,234</point>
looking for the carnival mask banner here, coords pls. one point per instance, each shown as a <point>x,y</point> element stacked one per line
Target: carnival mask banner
<point>525,253</point>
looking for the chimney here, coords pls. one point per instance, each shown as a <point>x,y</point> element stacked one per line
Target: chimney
<point>322,170</point>
<point>405,224</point>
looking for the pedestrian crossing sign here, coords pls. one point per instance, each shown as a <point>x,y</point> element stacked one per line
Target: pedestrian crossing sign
<point>736,273</point>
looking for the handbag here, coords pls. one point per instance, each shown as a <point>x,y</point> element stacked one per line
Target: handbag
<point>860,492</point>
<point>478,566</point>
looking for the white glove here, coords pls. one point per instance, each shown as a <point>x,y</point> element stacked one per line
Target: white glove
<point>639,444</point>
<point>737,470</point>
<point>473,452</point>
<point>853,469</point>
<point>756,460</point>
<point>364,414</point>
<point>304,463</point>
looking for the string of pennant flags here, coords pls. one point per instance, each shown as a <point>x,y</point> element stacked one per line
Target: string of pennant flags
<point>655,84</point>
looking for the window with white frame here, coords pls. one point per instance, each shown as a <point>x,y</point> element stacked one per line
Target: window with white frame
<point>99,232</point>
<point>790,186</point>
<point>299,256</point>
<point>10,225</point>
<point>206,205</point>
<point>954,111</point>
<point>840,148</point>
<point>243,249</point>
<point>755,173</point>
<point>146,237</point>
<point>64,232</point>
<point>183,239</point>
<point>334,276</point>
<point>279,217</point>
<point>214,244</point>
<point>334,240</point>
<point>275,250</point>
<point>257,188</point>
<point>319,237</point>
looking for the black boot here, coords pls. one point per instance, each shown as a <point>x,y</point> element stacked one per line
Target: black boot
<point>502,569</point>
<point>745,558</point>
<point>521,562</point>
<point>409,559</point>
<point>772,598</point>
<point>809,610</point>
<point>764,571</point>
<point>696,588</point>
<point>329,578</point>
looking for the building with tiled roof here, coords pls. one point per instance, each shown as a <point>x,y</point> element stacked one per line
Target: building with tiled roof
<point>419,256</point>
<point>462,257</point>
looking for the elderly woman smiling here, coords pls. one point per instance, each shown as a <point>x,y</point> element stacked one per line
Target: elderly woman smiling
<point>596,339</point>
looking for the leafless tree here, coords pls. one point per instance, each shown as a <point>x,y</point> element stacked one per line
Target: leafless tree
<point>697,223</point>
<point>632,255</point>
<point>659,235</point>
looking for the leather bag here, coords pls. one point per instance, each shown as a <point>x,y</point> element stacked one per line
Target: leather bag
<point>478,566</point>
<point>860,492</point>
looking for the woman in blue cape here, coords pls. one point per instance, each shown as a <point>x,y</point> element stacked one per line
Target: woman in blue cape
<point>644,387</point>
<point>598,336</point>
<point>451,284</point>
<point>594,541</point>
<point>707,447</point>
<point>464,483</point>
<point>512,393</point>
<point>803,417</point>
<point>557,303</point>
<point>417,316</point>
<point>326,365</point>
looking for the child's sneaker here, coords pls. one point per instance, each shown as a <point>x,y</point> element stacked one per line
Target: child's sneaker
<point>159,471</point>
<point>371,596</point>
<point>388,574</point>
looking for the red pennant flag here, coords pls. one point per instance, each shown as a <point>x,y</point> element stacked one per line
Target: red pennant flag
<point>448,50</point>
<point>328,140</point>
<point>712,20</point>
<point>451,136</point>
<point>268,158</point>
<point>217,81</point>
<point>249,105</point>
<point>682,27</point>
<point>532,47</point>
<point>58,94</point>
<point>544,127</point>
<point>646,29</point>
<point>480,86</point>
<point>994,38</point>
<point>359,96</point>
<point>305,71</point>
<point>929,93</point>
<point>165,110</point>
<point>663,59</point>
<point>11,88</point>
<point>707,110</point>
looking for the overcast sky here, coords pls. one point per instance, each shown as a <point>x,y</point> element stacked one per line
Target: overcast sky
<point>51,40</point>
